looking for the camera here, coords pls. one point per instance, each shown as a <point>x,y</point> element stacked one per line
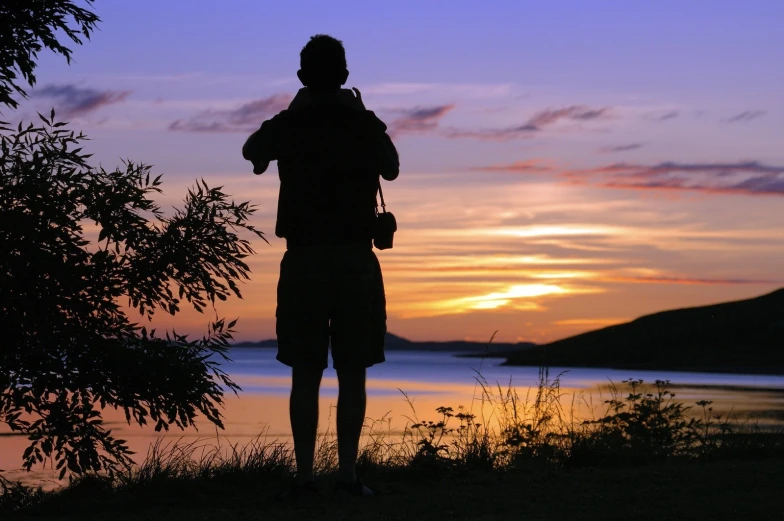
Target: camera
<point>386,226</point>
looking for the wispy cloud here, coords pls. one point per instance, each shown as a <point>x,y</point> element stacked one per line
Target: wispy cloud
<point>746,115</point>
<point>664,116</point>
<point>575,112</point>
<point>535,124</point>
<point>77,101</point>
<point>245,118</point>
<point>620,148</point>
<point>749,177</point>
<point>533,166</point>
<point>418,119</point>
<point>688,280</point>
<point>746,177</point>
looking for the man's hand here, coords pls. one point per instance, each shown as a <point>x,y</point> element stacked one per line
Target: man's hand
<point>259,167</point>
<point>348,97</point>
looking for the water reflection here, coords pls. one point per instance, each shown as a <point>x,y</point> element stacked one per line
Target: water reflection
<point>430,380</point>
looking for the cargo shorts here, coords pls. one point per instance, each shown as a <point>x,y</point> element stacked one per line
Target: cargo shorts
<point>331,295</point>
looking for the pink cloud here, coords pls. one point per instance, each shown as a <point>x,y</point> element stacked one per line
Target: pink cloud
<point>78,101</point>
<point>418,119</point>
<point>749,177</point>
<point>746,115</point>
<point>687,280</point>
<point>245,118</point>
<point>620,148</point>
<point>535,124</point>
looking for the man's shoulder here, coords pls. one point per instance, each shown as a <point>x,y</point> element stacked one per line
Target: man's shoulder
<point>363,118</point>
<point>283,116</point>
<point>316,114</point>
<point>284,120</point>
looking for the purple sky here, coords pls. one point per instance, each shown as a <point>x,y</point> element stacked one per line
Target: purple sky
<point>564,165</point>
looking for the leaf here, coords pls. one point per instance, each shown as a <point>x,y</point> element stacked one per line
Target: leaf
<point>28,451</point>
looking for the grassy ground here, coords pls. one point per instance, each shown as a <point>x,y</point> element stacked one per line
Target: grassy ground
<point>708,490</point>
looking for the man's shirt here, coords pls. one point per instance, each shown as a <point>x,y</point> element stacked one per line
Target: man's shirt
<point>330,157</point>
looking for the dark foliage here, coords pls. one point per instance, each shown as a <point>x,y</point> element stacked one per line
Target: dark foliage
<point>27,27</point>
<point>69,349</point>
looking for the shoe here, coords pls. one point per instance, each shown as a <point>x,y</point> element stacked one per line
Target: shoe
<point>296,492</point>
<point>355,489</point>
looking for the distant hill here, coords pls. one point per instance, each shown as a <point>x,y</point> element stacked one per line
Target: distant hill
<point>396,343</point>
<point>741,336</point>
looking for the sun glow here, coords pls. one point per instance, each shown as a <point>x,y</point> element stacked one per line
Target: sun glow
<point>514,297</point>
<point>520,291</point>
<point>560,230</point>
<point>563,275</point>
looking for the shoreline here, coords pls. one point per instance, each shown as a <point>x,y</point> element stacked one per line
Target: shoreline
<point>750,371</point>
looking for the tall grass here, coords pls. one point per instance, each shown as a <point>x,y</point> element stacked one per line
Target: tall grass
<point>645,425</point>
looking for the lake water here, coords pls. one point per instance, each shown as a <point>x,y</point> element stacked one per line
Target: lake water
<point>429,380</point>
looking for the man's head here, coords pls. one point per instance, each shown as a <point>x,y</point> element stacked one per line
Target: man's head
<point>323,64</point>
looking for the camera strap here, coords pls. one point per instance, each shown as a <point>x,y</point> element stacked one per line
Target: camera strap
<point>381,194</point>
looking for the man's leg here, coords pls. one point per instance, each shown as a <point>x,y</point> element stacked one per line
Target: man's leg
<point>303,412</point>
<point>351,416</point>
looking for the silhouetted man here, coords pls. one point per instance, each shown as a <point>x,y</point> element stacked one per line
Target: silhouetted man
<point>330,152</point>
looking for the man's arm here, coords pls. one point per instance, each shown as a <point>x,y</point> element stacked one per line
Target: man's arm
<point>390,161</point>
<point>386,153</point>
<point>260,148</point>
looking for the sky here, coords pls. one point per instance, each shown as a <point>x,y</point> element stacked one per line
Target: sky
<point>565,165</point>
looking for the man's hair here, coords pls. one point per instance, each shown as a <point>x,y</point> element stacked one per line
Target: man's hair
<point>324,58</point>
